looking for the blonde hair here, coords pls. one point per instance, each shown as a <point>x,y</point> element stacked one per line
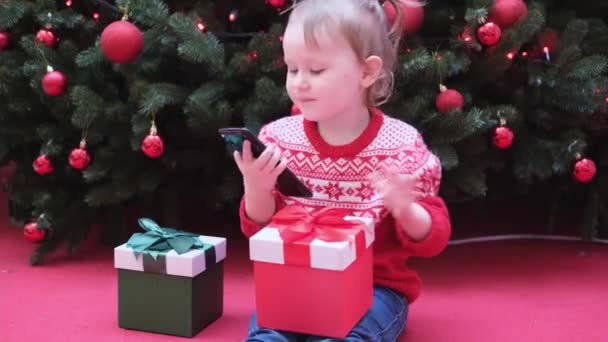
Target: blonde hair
<point>364,25</point>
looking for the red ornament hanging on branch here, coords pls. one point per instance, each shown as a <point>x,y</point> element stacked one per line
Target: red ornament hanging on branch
<point>153,145</point>
<point>121,41</point>
<point>489,34</point>
<point>54,83</point>
<point>506,13</point>
<point>79,157</point>
<point>448,100</point>
<point>503,136</point>
<point>4,40</point>
<point>46,37</point>
<point>42,165</point>
<point>412,15</point>
<point>32,233</point>
<point>584,170</point>
<point>277,4</point>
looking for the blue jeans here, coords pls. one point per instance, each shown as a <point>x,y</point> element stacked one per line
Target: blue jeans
<point>384,322</point>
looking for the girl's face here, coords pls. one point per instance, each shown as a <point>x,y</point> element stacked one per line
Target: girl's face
<point>325,81</point>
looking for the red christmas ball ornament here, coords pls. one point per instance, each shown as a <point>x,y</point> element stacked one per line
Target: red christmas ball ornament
<point>79,157</point>
<point>153,145</point>
<point>548,39</point>
<point>278,4</point>
<point>46,37</point>
<point>295,110</point>
<point>503,136</point>
<point>4,40</point>
<point>584,170</point>
<point>54,82</point>
<point>42,165</point>
<point>449,100</point>
<point>32,233</point>
<point>122,42</point>
<point>412,15</point>
<point>489,34</point>
<point>505,13</point>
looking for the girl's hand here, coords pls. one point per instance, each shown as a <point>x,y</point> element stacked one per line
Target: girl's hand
<point>398,190</point>
<point>260,174</point>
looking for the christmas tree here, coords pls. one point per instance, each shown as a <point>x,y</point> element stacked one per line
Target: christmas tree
<point>107,106</point>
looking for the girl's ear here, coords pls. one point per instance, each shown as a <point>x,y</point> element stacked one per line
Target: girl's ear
<point>372,66</point>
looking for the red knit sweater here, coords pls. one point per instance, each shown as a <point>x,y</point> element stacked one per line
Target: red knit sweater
<point>338,177</point>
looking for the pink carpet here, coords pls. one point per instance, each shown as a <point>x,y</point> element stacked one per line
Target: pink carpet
<point>506,291</point>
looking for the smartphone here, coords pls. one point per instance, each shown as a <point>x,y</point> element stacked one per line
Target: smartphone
<point>287,183</point>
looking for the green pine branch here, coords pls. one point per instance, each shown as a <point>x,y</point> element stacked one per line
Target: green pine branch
<point>90,57</point>
<point>88,106</point>
<point>205,106</point>
<point>414,63</point>
<point>11,12</point>
<point>448,156</point>
<point>159,95</point>
<point>150,13</point>
<point>588,67</point>
<point>574,33</point>
<point>456,126</point>
<point>470,179</point>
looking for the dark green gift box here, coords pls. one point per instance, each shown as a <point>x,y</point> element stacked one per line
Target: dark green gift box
<point>175,292</point>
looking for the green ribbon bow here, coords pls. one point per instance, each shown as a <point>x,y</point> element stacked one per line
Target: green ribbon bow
<point>158,240</point>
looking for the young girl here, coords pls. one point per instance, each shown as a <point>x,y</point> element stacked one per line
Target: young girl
<point>340,55</point>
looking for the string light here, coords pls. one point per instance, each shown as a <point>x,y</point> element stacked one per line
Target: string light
<point>233,15</point>
<point>546,51</point>
<point>96,16</point>
<point>201,26</point>
<point>524,54</point>
<point>68,3</point>
<point>465,35</point>
<point>510,55</point>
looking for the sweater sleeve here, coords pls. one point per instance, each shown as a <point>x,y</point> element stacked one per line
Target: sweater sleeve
<point>440,232</point>
<point>427,185</point>
<point>248,226</point>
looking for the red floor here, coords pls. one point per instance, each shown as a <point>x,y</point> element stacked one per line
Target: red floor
<point>507,291</point>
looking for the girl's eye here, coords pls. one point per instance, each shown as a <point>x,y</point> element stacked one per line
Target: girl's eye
<point>293,71</point>
<point>317,72</point>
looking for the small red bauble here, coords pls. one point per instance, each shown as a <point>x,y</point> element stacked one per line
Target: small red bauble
<point>79,157</point>
<point>54,83</point>
<point>412,15</point>
<point>503,137</point>
<point>46,37</point>
<point>295,110</point>
<point>122,42</point>
<point>4,40</point>
<point>505,13</point>
<point>449,100</point>
<point>277,3</point>
<point>42,165</point>
<point>32,233</point>
<point>153,145</point>
<point>489,34</point>
<point>549,39</point>
<point>584,170</point>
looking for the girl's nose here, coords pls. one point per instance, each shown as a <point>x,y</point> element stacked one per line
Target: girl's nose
<point>301,81</point>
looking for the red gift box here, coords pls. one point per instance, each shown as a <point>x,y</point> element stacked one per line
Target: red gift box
<point>313,272</point>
